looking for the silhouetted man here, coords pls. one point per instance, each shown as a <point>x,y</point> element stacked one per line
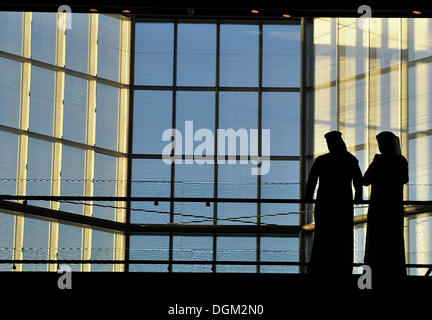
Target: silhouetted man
<point>387,174</point>
<point>337,171</point>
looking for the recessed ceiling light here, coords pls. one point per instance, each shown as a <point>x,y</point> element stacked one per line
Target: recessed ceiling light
<point>416,12</point>
<point>286,15</point>
<point>93,10</point>
<point>126,11</point>
<point>254,11</point>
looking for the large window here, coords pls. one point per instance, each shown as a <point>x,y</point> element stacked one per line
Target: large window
<point>200,79</point>
<point>368,80</point>
<point>59,130</point>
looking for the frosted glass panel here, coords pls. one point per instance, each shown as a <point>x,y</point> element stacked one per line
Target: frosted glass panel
<point>279,249</point>
<point>152,116</point>
<point>77,42</point>
<point>239,55</point>
<point>149,248</point>
<point>11,26</point>
<point>154,49</point>
<point>108,47</point>
<point>106,116</point>
<point>42,100</point>
<point>281,55</point>
<point>236,249</point>
<point>75,109</point>
<point>190,249</point>
<point>281,114</point>
<point>10,86</point>
<point>44,33</point>
<point>150,178</point>
<point>196,55</point>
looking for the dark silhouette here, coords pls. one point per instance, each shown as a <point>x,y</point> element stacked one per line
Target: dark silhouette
<point>387,174</point>
<point>332,250</point>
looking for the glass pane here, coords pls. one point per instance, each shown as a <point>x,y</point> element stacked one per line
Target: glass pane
<point>359,247</point>
<point>77,43</point>
<point>73,160</point>
<point>42,100</point>
<point>10,90</point>
<point>325,51</point>
<point>11,26</point>
<point>239,55</point>
<point>39,170</point>
<point>281,56</point>
<point>281,115</point>
<point>152,116</point>
<point>102,249</point>
<point>420,33</point>
<point>236,181</point>
<point>106,116</point>
<point>149,248</point>
<point>44,37</point>
<point>279,250</point>
<point>69,244</point>
<point>38,183</point>
<point>35,243</point>
<point>420,232</point>
<point>108,47</point>
<point>192,249</point>
<point>7,225</point>
<point>419,166</point>
<point>150,178</point>
<point>236,249</point>
<point>353,115</point>
<point>237,111</point>
<point>154,49</point>
<point>196,55</point>
<point>419,93</point>
<point>193,180</point>
<point>387,41</point>
<point>105,172</point>
<point>8,164</point>
<point>75,109</point>
<point>282,181</point>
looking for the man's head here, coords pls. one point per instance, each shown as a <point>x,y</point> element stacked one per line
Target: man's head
<point>388,143</point>
<point>335,142</point>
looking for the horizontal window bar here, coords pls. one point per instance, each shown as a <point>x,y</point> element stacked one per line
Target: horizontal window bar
<point>213,88</point>
<point>71,72</point>
<point>66,142</point>
<point>219,157</point>
<point>183,199</point>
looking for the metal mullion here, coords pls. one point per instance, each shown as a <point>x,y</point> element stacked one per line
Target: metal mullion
<point>404,114</point>
<point>56,165</point>
<point>303,104</point>
<point>122,138</point>
<point>90,136</point>
<point>173,125</point>
<point>22,157</point>
<point>259,163</point>
<point>216,169</point>
<point>130,142</point>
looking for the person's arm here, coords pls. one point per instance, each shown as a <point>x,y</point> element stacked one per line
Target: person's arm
<point>369,176</point>
<point>312,180</point>
<point>358,184</point>
<point>404,176</point>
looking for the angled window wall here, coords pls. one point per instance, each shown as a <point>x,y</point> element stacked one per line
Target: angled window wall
<point>371,78</point>
<point>64,104</point>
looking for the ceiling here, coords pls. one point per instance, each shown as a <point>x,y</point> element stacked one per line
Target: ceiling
<point>292,10</point>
